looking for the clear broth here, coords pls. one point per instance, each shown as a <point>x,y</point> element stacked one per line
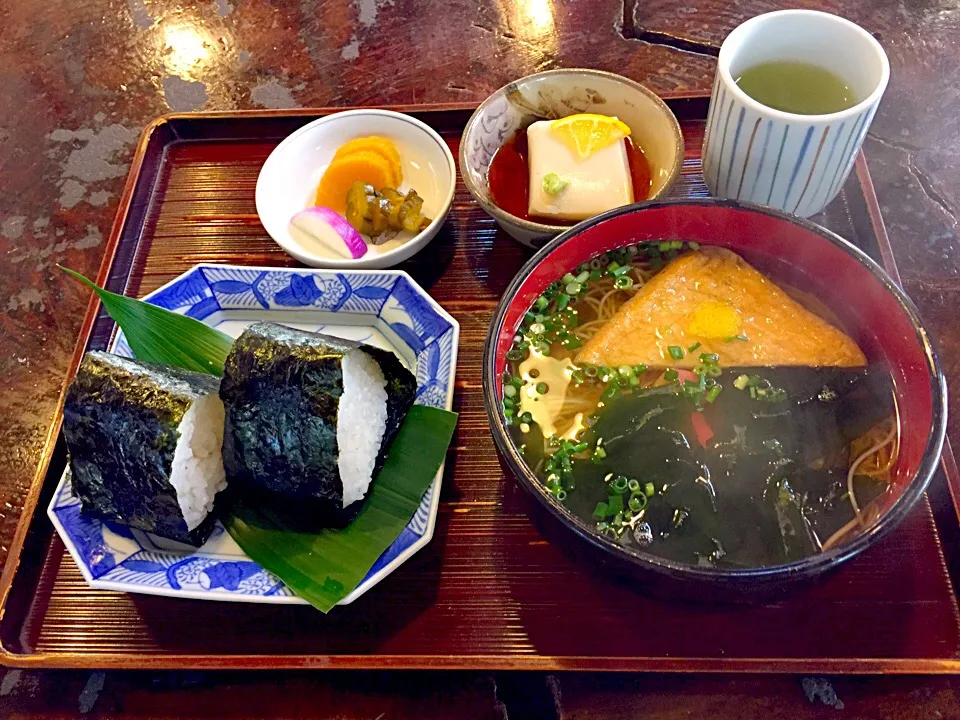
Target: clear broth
<point>733,482</point>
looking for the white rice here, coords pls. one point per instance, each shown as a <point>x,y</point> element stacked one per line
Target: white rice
<point>197,473</point>
<point>361,422</point>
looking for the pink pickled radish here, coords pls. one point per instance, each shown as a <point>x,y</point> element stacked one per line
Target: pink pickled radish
<point>330,229</point>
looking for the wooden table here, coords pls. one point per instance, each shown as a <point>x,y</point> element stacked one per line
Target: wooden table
<point>80,80</point>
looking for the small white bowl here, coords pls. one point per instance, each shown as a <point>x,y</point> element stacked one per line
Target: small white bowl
<point>288,182</point>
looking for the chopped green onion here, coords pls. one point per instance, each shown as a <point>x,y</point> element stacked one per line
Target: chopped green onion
<point>595,274</point>
<point>509,391</point>
<point>516,355</point>
<point>670,375</point>
<point>562,300</point>
<point>615,504</point>
<point>633,485</point>
<point>573,288</point>
<point>526,417</point>
<point>620,271</point>
<point>561,494</point>
<point>590,371</point>
<point>623,283</point>
<point>572,342</point>
<point>541,303</point>
<point>637,502</point>
<point>619,484</point>
<point>712,393</point>
<point>568,278</point>
<point>693,347</point>
<point>741,382</point>
<point>676,352</point>
<point>709,358</point>
<point>602,510</point>
<point>649,489</point>
<point>693,245</point>
<point>583,276</point>
<point>639,369</point>
<point>538,328</point>
<point>542,388</point>
<point>626,371</point>
<point>613,267</point>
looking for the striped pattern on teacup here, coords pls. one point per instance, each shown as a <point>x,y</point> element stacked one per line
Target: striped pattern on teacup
<point>795,166</point>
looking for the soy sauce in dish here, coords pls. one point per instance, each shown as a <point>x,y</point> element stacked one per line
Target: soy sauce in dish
<point>509,178</point>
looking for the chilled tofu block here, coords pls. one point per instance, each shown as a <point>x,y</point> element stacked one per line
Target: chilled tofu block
<point>595,184</point>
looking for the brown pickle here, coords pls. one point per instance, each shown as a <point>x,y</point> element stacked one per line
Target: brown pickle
<point>382,214</point>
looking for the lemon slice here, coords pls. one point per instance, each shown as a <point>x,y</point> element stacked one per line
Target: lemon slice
<point>585,133</point>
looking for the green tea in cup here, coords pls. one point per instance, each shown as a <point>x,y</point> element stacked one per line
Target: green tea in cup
<point>796,87</point>
<point>792,101</point>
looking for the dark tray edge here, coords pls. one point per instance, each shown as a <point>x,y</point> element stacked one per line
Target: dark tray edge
<point>117,282</point>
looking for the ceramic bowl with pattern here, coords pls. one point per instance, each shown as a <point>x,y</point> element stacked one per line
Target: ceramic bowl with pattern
<point>288,182</point>
<point>555,94</point>
<point>386,309</point>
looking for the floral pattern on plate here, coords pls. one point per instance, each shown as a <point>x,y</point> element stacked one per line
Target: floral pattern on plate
<point>384,308</point>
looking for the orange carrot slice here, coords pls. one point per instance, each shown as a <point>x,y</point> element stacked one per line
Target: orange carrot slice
<point>364,166</point>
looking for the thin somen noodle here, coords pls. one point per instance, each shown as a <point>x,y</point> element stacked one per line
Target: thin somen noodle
<point>610,418</point>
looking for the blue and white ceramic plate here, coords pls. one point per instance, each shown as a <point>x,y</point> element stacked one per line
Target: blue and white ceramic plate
<point>383,308</point>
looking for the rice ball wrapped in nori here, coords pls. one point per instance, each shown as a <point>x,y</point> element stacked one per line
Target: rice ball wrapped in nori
<point>145,445</point>
<point>310,417</point>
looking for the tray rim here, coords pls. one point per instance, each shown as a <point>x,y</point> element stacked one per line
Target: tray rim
<point>168,661</point>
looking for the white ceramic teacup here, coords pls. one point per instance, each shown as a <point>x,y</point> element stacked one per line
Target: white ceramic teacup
<point>796,163</point>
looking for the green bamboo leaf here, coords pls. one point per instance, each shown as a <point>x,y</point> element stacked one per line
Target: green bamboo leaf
<point>325,567</point>
<point>163,337</point>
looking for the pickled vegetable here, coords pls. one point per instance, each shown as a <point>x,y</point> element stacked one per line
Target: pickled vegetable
<point>361,166</point>
<point>381,214</point>
<point>379,145</point>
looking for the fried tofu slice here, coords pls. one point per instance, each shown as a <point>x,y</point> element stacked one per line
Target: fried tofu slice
<point>715,298</point>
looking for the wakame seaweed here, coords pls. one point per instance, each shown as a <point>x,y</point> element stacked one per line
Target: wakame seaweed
<point>751,481</point>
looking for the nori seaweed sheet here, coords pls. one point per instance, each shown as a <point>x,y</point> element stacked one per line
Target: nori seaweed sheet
<point>120,423</point>
<point>281,391</point>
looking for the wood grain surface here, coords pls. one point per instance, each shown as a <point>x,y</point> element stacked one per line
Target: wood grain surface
<point>81,80</point>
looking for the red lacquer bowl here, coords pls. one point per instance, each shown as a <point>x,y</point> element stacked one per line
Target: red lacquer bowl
<point>872,308</point>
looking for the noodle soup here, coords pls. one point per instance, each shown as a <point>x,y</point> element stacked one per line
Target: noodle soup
<point>685,405</point>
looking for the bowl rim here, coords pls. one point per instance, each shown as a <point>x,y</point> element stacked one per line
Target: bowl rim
<point>809,565</point>
<point>544,228</point>
<point>384,260</point>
